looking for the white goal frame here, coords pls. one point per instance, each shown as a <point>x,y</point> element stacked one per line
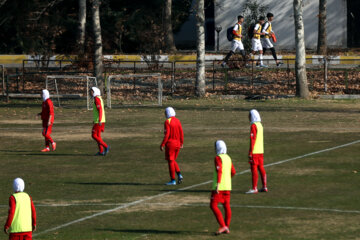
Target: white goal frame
<point>122,76</point>
<point>58,96</point>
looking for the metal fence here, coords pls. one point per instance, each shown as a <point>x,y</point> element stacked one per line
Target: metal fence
<point>325,75</point>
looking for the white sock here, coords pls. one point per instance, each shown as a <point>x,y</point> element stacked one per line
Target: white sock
<point>261,59</point>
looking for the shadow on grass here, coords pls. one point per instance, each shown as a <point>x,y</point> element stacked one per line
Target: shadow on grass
<point>33,153</point>
<point>186,191</point>
<point>58,154</point>
<point>16,151</point>
<point>115,183</point>
<point>151,231</point>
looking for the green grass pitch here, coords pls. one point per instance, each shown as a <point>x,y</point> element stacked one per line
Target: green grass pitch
<point>311,197</point>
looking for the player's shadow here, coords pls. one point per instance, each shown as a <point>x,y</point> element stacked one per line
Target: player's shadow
<point>16,151</point>
<point>186,191</point>
<point>58,154</point>
<point>32,153</point>
<point>150,231</point>
<point>115,183</point>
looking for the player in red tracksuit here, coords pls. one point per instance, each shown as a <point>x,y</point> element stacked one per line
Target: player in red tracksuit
<point>223,172</point>
<point>21,220</point>
<point>99,122</point>
<point>256,152</point>
<point>47,117</point>
<point>173,141</point>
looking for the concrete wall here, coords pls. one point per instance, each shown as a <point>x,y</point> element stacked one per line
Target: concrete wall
<point>226,12</point>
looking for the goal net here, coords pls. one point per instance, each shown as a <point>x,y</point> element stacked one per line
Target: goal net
<point>67,90</point>
<point>134,89</point>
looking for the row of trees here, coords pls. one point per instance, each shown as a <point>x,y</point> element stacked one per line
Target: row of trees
<point>151,27</point>
<point>47,27</point>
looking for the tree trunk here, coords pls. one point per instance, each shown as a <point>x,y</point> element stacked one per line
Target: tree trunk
<point>200,50</point>
<point>302,89</point>
<point>169,36</point>
<point>322,43</point>
<point>81,27</point>
<point>2,2</point>
<point>98,64</point>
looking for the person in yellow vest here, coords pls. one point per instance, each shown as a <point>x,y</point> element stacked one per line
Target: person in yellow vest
<point>221,188</point>
<point>256,42</point>
<point>236,43</point>
<point>256,152</point>
<point>265,41</point>
<point>99,122</point>
<point>21,221</point>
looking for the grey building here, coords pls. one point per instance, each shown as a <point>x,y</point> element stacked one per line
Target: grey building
<point>343,21</point>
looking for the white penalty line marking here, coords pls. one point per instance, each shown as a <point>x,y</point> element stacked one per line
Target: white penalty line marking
<point>183,189</point>
<point>201,205</point>
<point>264,207</point>
<point>255,206</point>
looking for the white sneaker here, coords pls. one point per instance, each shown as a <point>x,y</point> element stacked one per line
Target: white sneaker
<point>172,182</point>
<point>263,66</point>
<point>252,191</point>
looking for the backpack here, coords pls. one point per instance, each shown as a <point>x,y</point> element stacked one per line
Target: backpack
<point>250,31</point>
<point>229,34</point>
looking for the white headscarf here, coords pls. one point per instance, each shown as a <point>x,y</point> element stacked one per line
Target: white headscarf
<point>18,185</point>
<point>254,116</point>
<point>220,147</point>
<point>169,112</point>
<point>45,94</point>
<point>96,91</point>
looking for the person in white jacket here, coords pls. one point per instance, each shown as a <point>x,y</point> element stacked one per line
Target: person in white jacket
<point>265,41</point>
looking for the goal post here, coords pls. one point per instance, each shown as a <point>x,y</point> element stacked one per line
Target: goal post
<point>134,89</point>
<point>70,88</point>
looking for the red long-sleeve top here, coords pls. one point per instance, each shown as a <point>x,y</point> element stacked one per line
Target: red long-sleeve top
<point>47,110</point>
<point>173,133</point>
<point>218,167</point>
<point>253,132</point>
<point>12,206</point>
<point>99,107</point>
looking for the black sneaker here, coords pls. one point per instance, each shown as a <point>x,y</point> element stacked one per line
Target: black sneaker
<point>180,178</point>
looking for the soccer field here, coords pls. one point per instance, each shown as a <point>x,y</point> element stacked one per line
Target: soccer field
<point>312,151</point>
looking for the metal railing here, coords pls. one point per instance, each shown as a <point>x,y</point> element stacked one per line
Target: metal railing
<point>321,71</point>
<point>3,79</point>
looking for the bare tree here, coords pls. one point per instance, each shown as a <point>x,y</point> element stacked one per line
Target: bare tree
<point>200,49</point>
<point>81,26</point>
<point>322,43</point>
<point>98,63</point>
<point>302,89</point>
<point>169,36</point>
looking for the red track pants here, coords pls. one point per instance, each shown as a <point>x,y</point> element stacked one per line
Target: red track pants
<point>258,164</point>
<point>21,236</point>
<point>96,135</point>
<point>46,133</point>
<point>171,154</point>
<point>222,197</point>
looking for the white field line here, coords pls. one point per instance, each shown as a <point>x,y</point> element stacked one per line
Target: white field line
<point>126,205</point>
<point>188,127</point>
<point>255,206</point>
<point>202,205</point>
